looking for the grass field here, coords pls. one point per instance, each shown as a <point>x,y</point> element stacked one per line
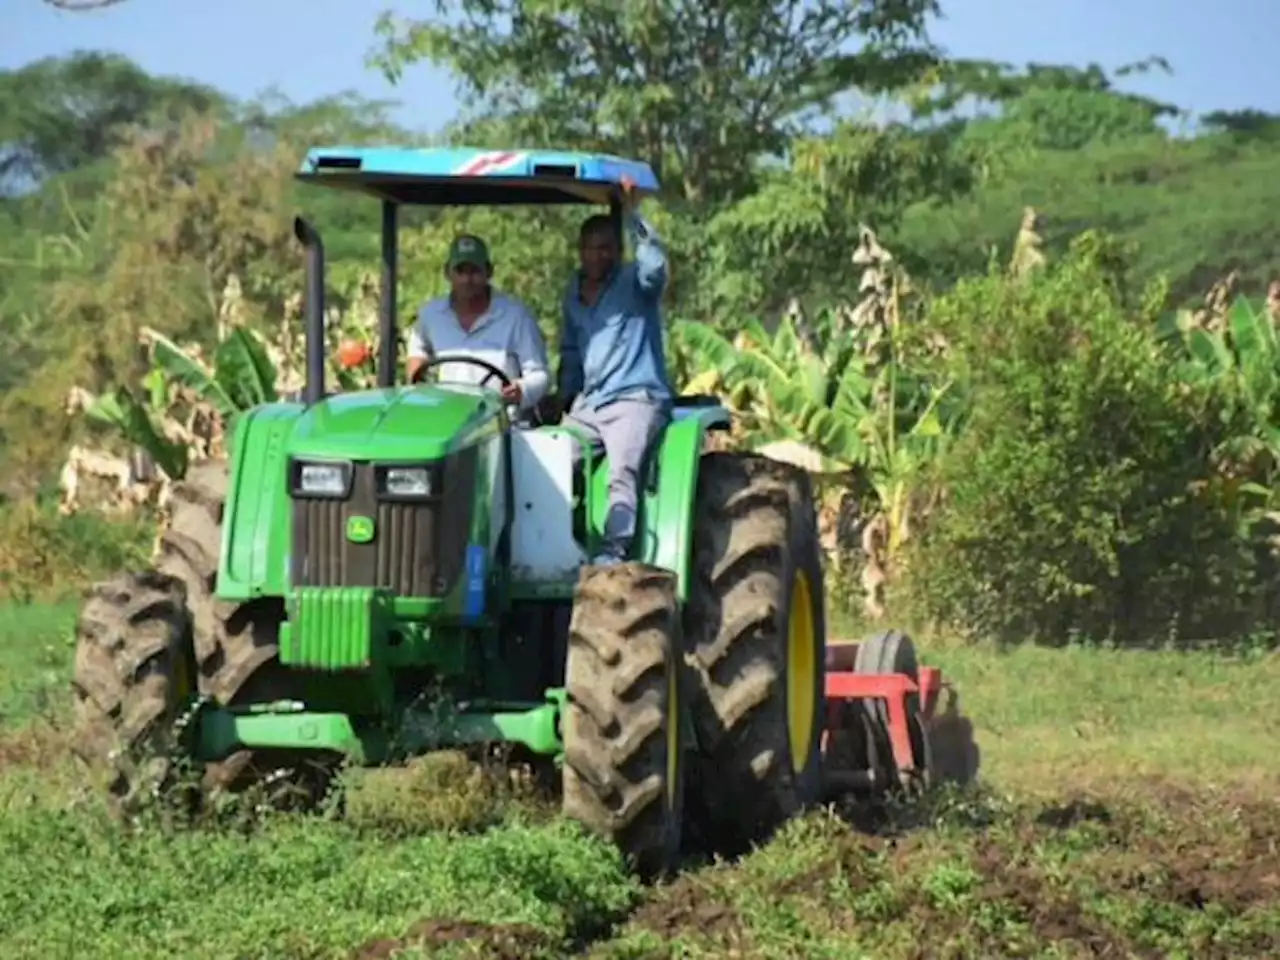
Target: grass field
<point>1126,807</point>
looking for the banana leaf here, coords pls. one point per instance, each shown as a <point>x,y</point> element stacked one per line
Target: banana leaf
<point>188,371</point>
<point>123,411</point>
<point>157,389</point>
<point>712,350</point>
<point>244,371</point>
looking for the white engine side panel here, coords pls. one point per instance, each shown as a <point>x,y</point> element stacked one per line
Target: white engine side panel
<point>498,489</point>
<point>542,545</point>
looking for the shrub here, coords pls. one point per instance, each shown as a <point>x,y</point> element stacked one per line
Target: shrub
<point>1075,502</point>
<point>47,556</point>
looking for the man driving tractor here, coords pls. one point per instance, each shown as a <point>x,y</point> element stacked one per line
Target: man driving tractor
<point>612,366</point>
<point>474,320</point>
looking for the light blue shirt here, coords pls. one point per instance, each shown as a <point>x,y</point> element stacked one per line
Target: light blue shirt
<point>507,336</point>
<point>613,350</point>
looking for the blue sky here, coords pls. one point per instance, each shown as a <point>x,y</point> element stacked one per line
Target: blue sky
<point>1221,53</point>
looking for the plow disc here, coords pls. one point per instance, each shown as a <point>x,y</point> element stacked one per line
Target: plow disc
<point>883,731</point>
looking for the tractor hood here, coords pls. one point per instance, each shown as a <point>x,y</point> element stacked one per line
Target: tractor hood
<point>424,422</point>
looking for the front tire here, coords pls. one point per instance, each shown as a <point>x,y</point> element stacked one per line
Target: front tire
<point>237,645</point>
<point>623,775</point>
<point>133,679</point>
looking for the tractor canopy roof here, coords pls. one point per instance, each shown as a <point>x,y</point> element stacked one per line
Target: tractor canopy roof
<point>468,176</point>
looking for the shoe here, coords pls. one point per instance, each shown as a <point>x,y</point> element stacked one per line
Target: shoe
<point>605,560</point>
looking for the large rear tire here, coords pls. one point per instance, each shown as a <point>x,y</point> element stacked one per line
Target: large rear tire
<point>133,680</point>
<point>756,625</point>
<point>623,775</point>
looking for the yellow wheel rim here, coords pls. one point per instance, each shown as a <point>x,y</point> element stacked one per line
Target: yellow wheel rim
<point>801,668</point>
<point>673,735</point>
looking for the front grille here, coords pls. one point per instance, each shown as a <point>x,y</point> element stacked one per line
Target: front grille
<point>417,550</point>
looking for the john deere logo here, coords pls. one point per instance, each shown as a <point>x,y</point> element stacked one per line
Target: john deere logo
<point>360,529</point>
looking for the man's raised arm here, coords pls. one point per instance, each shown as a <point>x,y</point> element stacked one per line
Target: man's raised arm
<point>651,258</point>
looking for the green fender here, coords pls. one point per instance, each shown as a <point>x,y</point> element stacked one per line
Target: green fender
<point>257,520</point>
<point>665,526</point>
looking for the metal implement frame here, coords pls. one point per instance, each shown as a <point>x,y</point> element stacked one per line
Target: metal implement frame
<point>845,687</point>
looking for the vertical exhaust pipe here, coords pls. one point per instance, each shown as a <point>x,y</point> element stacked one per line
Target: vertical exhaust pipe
<point>387,335</point>
<point>313,311</point>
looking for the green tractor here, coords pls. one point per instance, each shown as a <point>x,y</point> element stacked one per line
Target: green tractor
<point>362,558</point>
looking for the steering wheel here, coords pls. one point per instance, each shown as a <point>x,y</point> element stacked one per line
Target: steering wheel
<point>474,361</point>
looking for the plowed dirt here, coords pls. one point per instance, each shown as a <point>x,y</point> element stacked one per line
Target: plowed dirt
<point>467,938</point>
<point>1175,873</point>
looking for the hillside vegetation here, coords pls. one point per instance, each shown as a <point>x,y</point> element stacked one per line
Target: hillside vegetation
<point>1028,349</point>
<point>887,301</point>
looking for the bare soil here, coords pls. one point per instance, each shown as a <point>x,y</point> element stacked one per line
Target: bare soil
<point>1089,876</point>
<point>1173,848</point>
<point>494,941</point>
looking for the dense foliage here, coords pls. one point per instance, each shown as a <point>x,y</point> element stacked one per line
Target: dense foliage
<point>1030,433</point>
<point>1080,494</point>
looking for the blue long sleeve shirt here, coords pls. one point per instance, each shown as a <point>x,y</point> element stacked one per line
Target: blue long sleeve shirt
<point>613,350</point>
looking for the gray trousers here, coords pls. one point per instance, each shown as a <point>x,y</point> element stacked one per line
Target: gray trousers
<point>625,430</point>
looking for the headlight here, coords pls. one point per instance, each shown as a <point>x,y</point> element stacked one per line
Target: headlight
<point>321,479</point>
<point>408,482</point>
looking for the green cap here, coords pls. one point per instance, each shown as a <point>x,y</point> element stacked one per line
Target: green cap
<point>468,249</point>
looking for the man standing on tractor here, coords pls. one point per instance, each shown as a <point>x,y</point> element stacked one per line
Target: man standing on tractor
<point>475,320</point>
<point>612,365</point>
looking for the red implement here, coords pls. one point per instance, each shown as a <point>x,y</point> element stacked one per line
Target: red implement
<point>879,703</point>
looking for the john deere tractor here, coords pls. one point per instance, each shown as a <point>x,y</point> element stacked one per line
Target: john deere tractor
<point>378,574</point>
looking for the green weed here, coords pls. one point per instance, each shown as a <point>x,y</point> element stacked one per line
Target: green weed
<point>1080,837</point>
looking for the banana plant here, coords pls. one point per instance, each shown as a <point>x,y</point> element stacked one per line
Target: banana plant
<point>848,411</point>
<point>782,390</point>
<point>240,376</point>
<point>901,447</point>
<point>132,419</point>
<point>830,402</point>
<point>1243,359</point>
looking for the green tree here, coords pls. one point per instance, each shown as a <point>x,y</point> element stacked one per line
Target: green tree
<point>700,90</point>
<point>794,236</point>
<point>987,83</point>
<point>184,211</point>
<point>1244,124</point>
<point>1076,502</point>
<point>1051,119</point>
<point>62,113</point>
<point>1022,111</point>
